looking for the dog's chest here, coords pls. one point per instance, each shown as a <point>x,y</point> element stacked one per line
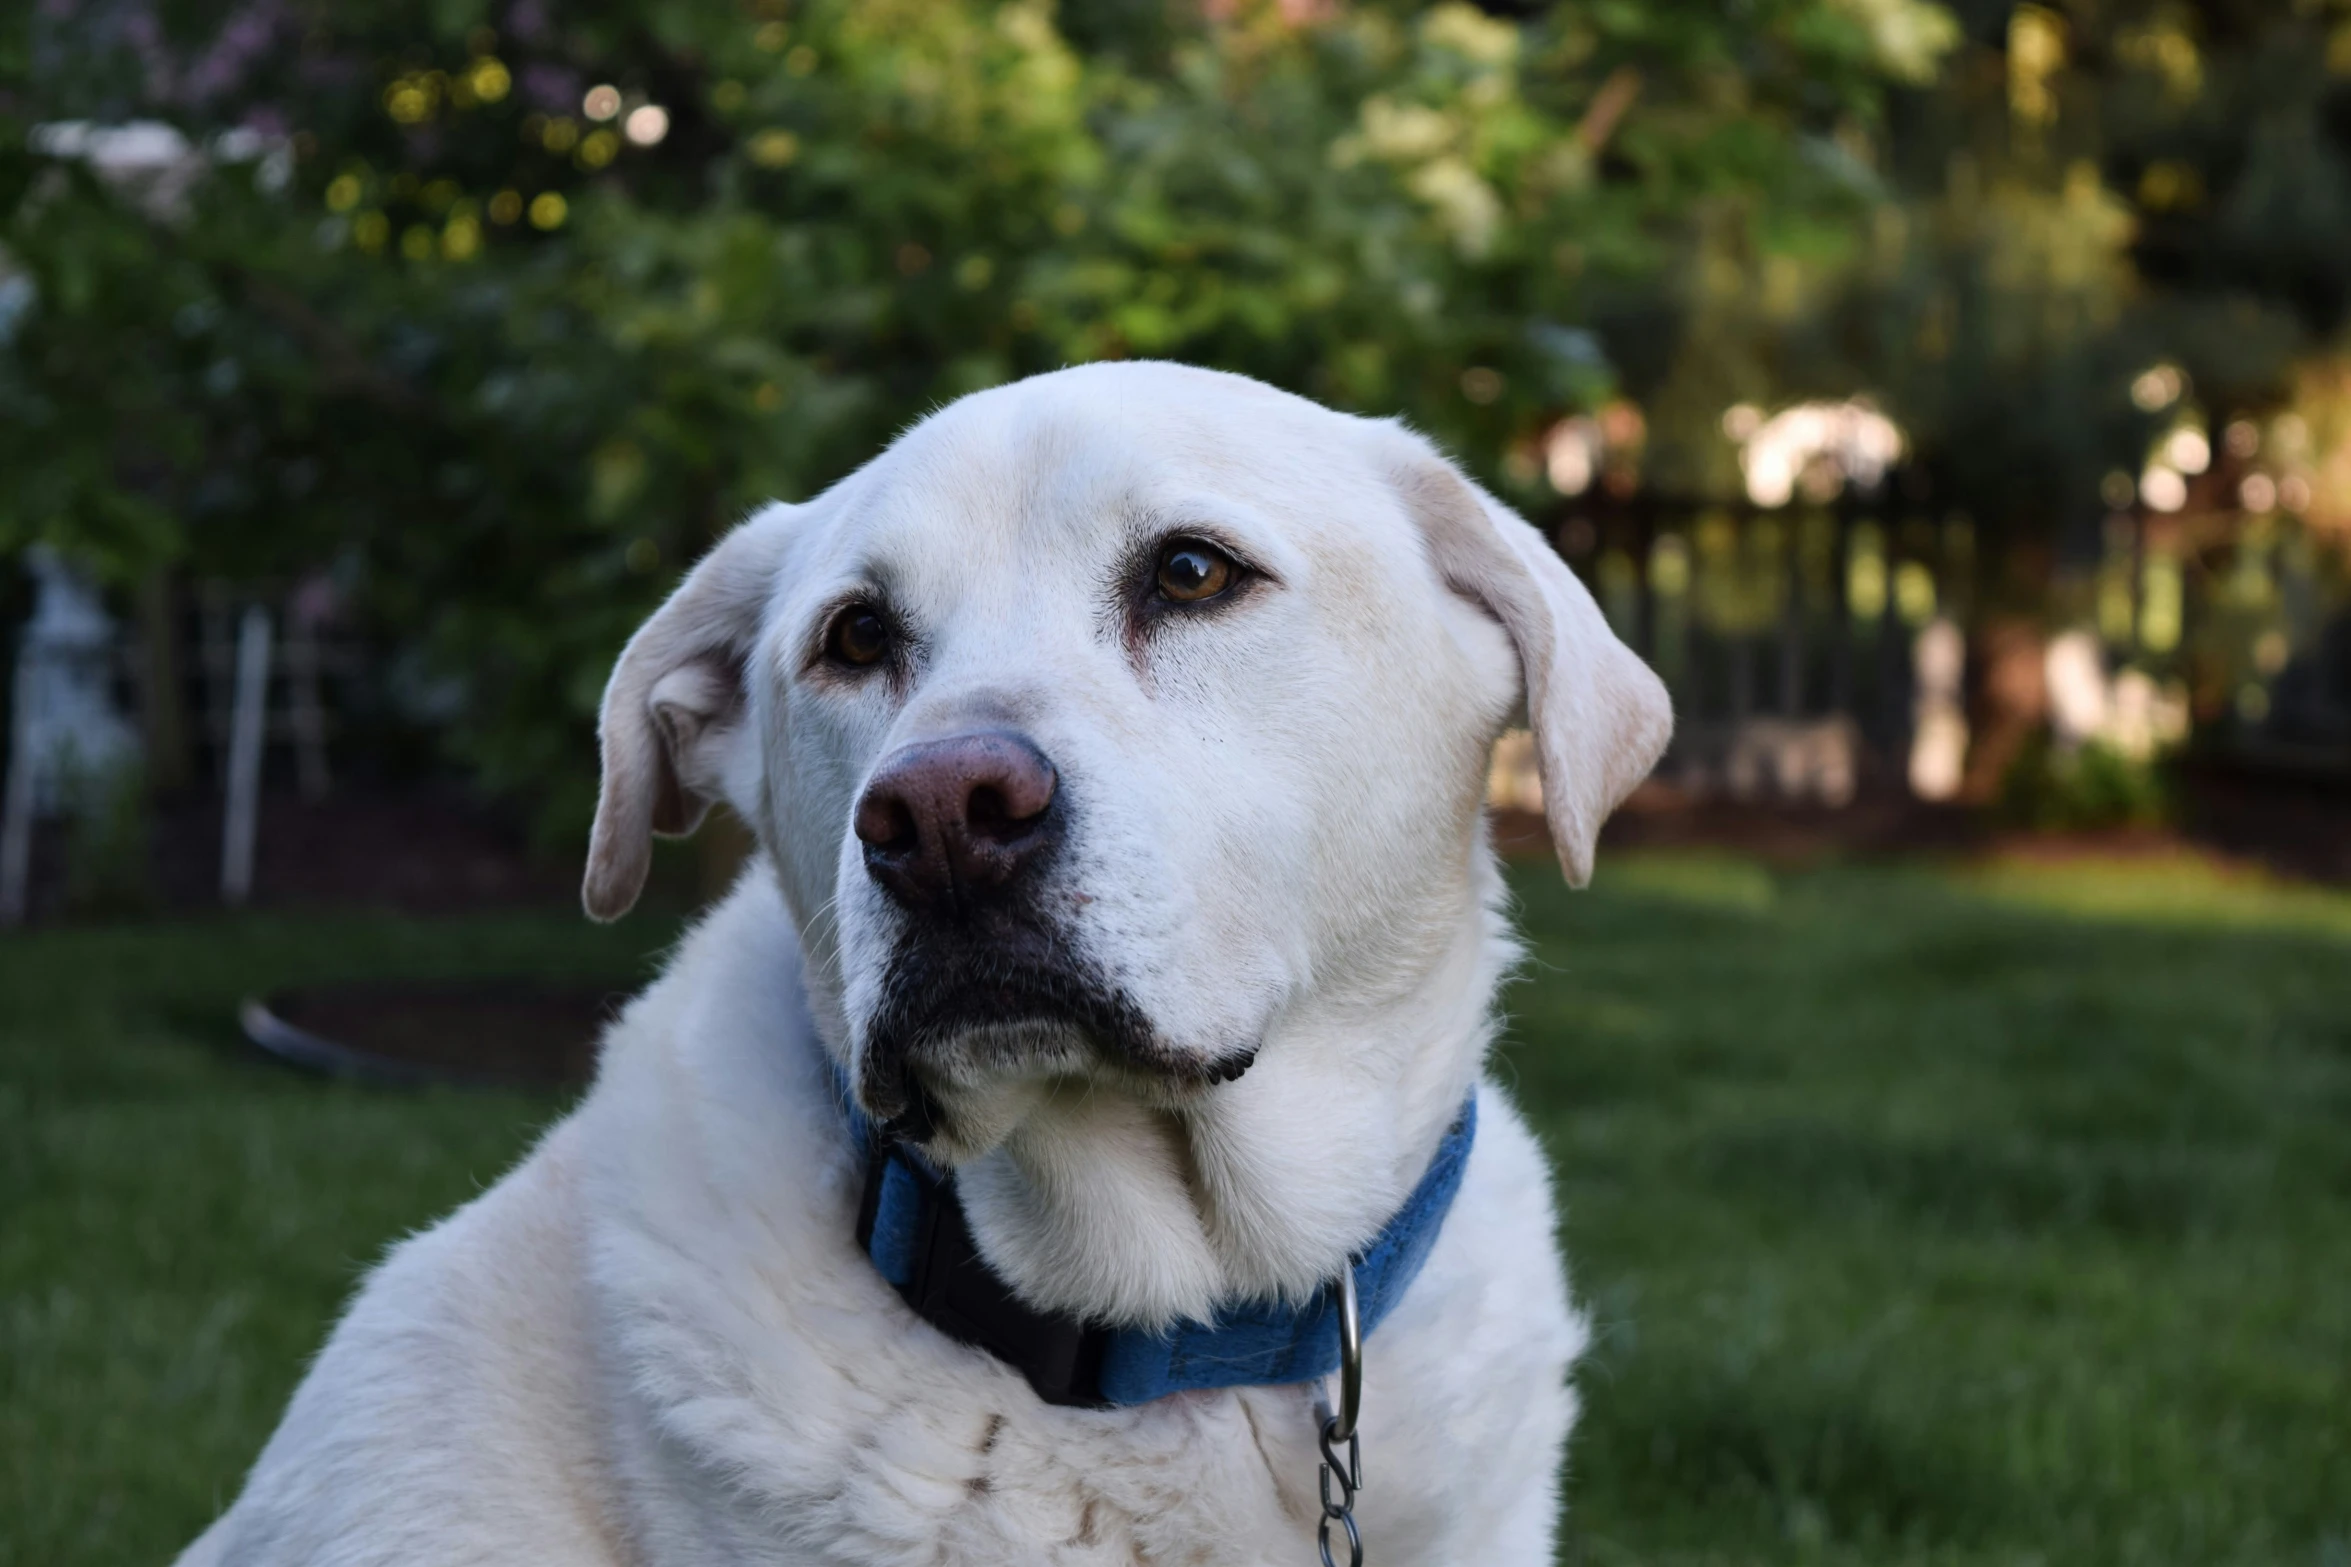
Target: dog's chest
<point>938,1476</point>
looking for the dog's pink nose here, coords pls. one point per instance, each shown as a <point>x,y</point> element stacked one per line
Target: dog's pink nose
<point>948,822</point>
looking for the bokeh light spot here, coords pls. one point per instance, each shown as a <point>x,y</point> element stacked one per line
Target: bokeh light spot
<point>489,80</point>
<point>2157,388</point>
<point>773,149</point>
<point>647,124</point>
<point>2162,488</point>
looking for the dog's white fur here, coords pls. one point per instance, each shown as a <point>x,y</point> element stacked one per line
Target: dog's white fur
<point>656,1341</point>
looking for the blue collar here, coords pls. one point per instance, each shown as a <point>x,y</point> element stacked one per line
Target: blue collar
<point>911,1224</point>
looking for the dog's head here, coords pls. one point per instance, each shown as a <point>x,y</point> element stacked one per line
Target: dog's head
<point>1115,729</point>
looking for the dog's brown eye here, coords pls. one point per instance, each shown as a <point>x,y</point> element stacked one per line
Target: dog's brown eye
<point>858,636</point>
<point>1190,571</point>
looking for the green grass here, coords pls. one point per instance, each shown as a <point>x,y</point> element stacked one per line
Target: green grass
<point>1994,1217</point>
<point>1938,1216</point>
<point>180,1219</point>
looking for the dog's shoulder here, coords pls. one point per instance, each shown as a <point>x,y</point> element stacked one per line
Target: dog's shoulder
<point>463,1406</point>
<point>452,1408</point>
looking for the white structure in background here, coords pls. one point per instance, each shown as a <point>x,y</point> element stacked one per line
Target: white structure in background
<point>1938,727</point>
<point>2075,668</point>
<point>16,299</point>
<point>1819,446</point>
<point>1799,761</point>
<point>1791,761</point>
<point>67,735</point>
<point>155,165</point>
<point>2128,711</point>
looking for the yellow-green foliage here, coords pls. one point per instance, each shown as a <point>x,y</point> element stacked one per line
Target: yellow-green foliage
<point>481,343</point>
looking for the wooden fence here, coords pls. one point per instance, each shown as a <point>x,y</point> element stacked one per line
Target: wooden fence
<point>1796,623</point>
<point>1794,620</point>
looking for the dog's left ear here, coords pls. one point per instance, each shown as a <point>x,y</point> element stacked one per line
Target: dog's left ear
<point>673,721</point>
<point>1600,716</point>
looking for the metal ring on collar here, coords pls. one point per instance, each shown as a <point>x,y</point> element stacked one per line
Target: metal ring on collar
<point>1350,1356</point>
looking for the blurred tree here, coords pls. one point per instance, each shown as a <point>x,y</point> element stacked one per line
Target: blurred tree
<point>501,313</point>
<point>2084,194</point>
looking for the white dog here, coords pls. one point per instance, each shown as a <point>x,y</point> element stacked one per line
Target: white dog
<point>1115,744</point>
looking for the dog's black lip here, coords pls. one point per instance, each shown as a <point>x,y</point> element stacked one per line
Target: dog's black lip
<point>922,1119</point>
<point>943,990</point>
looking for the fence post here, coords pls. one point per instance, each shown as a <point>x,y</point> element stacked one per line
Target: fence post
<point>1841,612</point>
<point>247,730</point>
<point>1792,618</point>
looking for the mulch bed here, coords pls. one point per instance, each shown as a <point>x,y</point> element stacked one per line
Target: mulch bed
<point>436,851</point>
<point>502,1034</point>
<point>2297,828</point>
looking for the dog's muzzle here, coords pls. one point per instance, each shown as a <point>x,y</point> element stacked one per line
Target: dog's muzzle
<point>961,834</point>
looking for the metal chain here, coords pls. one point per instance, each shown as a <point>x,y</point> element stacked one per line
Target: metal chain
<point>1344,1476</point>
<point>1347,1473</point>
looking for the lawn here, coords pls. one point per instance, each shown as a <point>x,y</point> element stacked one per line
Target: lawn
<point>1952,1216</point>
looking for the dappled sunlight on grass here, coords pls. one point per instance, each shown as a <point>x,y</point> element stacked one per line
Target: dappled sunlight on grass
<point>1949,1214</point>
<point>1702,878</point>
<point>2183,889</point>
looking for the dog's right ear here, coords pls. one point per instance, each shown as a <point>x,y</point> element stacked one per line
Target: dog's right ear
<point>673,718</point>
